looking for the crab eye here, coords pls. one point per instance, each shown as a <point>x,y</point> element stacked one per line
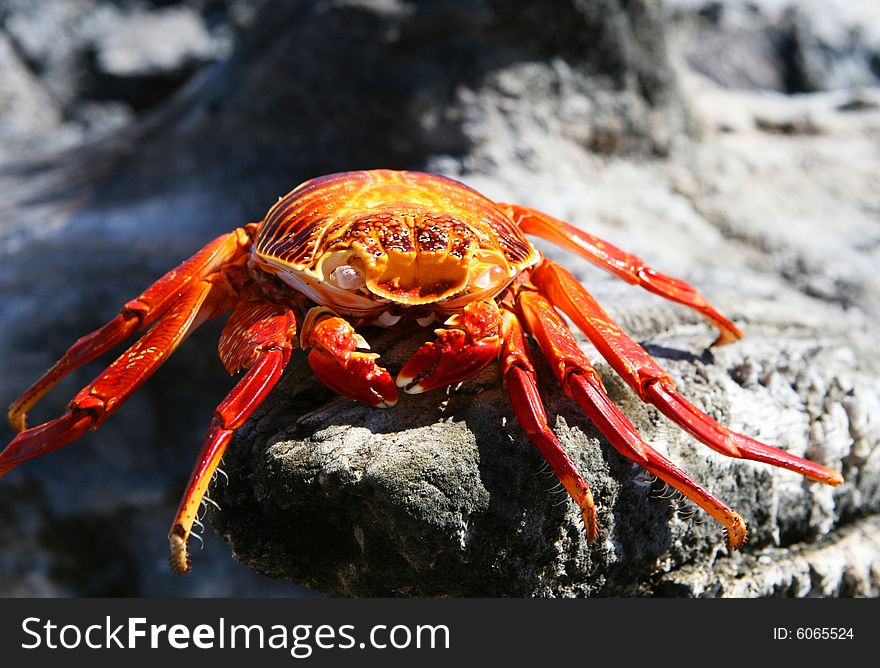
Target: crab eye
<point>490,277</point>
<point>347,277</point>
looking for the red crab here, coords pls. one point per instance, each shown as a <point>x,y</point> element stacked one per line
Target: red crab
<point>372,247</point>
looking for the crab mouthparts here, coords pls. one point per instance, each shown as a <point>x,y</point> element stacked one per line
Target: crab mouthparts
<point>413,279</point>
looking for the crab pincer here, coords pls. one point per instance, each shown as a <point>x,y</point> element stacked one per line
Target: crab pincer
<point>337,361</point>
<point>457,353</point>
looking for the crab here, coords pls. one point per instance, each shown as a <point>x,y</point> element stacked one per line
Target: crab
<point>347,250</point>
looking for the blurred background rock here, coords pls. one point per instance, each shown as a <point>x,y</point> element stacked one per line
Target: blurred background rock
<point>131,132</point>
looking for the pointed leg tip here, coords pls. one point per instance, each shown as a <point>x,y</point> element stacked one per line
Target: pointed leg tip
<point>737,533</point>
<point>830,477</point>
<point>591,525</point>
<point>726,336</point>
<point>179,559</point>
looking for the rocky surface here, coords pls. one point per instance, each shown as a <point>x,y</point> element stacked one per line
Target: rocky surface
<point>79,70</point>
<point>443,495</point>
<point>311,88</point>
<point>767,202</point>
<point>793,46</point>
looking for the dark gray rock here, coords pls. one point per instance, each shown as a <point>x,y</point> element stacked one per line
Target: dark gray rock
<point>444,495</point>
<point>26,109</point>
<point>311,88</point>
<point>792,46</point>
<point>90,65</point>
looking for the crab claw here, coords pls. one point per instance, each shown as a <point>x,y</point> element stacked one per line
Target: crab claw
<point>357,376</point>
<point>337,362</point>
<point>457,353</point>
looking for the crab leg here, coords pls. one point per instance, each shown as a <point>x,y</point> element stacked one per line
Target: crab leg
<point>583,384</point>
<point>652,383</point>
<point>456,354</point>
<point>136,315</point>
<point>95,402</point>
<point>337,362</point>
<point>259,336</point>
<point>630,268</point>
<point>521,384</point>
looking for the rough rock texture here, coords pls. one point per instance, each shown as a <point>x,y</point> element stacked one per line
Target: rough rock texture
<point>79,70</point>
<point>445,496</point>
<point>768,203</point>
<point>312,87</point>
<point>793,46</point>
